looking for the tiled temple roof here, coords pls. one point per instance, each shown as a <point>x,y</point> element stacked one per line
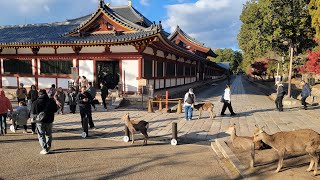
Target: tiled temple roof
<point>131,14</point>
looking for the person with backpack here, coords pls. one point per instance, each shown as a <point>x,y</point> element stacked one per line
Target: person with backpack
<point>32,97</point>
<point>189,100</point>
<point>20,117</point>
<point>84,100</point>
<point>5,105</point>
<point>306,92</point>
<point>43,110</point>
<point>227,101</point>
<point>21,93</point>
<point>72,100</point>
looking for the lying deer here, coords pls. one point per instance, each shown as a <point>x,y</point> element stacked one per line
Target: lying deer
<point>207,106</point>
<point>304,140</point>
<point>134,126</point>
<point>242,142</point>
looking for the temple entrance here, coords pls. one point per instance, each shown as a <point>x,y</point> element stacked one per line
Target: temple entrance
<point>108,73</point>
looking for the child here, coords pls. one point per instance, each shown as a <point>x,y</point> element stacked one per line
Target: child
<point>20,116</point>
<point>72,100</point>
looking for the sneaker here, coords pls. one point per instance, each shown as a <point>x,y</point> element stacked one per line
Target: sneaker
<point>233,114</point>
<point>185,119</point>
<point>43,152</point>
<point>24,132</point>
<point>222,114</point>
<point>33,132</point>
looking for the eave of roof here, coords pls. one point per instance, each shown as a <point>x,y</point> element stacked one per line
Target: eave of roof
<point>131,14</point>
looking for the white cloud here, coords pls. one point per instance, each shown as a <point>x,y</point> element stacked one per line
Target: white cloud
<point>214,22</point>
<point>145,2</point>
<point>117,2</point>
<point>27,6</point>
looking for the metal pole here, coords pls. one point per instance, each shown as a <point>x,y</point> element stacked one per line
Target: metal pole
<point>290,70</point>
<point>167,97</point>
<point>174,140</point>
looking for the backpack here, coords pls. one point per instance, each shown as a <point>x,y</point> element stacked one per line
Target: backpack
<point>190,99</point>
<point>40,117</point>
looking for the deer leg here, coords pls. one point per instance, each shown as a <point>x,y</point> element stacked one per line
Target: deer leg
<point>145,134</point>
<point>132,137</point>
<point>281,156</point>
<point>311,162</point>
<point>200,111</point>
<point>316,160</point>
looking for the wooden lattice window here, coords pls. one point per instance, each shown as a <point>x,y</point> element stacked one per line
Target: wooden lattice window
<point>159,69</point>
<point>15,66</point>
<point>171,69</point>
<point>147,68</point>
<point>55,66</point>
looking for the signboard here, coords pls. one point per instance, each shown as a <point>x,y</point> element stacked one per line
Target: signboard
<point>74,73</point>
<point>142,82</point>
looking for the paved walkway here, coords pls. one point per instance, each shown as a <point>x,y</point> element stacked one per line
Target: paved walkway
<point>251,106</point>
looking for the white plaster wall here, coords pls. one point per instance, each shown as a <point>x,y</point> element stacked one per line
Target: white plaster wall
<point>46,51</point>
<point>63,82</point>
<point>173,82</point>
<point>123,49</point>
<point>9,51</point>
<point>9,81</point>
<point>1,69</point>
<point>151,82</point>
<point>161,83</point>
<point>25,51</point>
<point>173,57</point>
<point>65,50</point>
<point>46,82</point>
<point>98,49</point>
<point>148,50</point>
<point>27,81</point>
<point>130,71</point>
<point>160,53</point>
<point>86,69</point>
<point>169,56</point>
<point>157,85</point>
<point>168,83</point>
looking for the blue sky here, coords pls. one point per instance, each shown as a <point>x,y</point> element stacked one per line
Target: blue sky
<point>214,22</point>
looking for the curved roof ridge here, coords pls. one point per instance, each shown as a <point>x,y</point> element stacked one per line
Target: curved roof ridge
<point>180,31</point>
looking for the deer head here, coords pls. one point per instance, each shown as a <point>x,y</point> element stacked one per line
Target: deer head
<point>258,134</point>
<point>231,129</point>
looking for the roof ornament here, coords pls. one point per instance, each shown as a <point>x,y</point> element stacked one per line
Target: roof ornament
<point>129,3</point>
<point>159,26</point>
<point>101,3</point>
<point>153,25</point>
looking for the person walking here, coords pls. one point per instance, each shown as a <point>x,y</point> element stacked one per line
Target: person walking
<point>227,101</point>
<point>44,128</point>
<point>60,98</point>
<point>72,100</point>
<point>280,95</point>
<point>32,97</point>
<point>21,93</point>
<point>306,92</point>
<point>104,94</point>
<point>20,117</point>
<point>189,100</point>
<point>93,92</point>
<point>5,106</point>
<point>52,90</point>
<point>84,100</point>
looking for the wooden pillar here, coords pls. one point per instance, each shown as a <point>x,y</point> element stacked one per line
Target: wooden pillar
<point>140,73</point>
<point>35,71</point>
<point>94,72</point>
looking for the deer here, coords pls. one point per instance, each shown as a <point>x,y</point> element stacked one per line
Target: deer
<point>207,106</point>
<point>134,126</point>
<point>303,140</point>
<point>242,141</point>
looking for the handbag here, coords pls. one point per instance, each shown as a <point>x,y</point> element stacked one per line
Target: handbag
<point>222,99</point>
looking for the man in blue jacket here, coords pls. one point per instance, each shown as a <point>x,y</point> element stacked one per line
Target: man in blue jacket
<point>306,92</point>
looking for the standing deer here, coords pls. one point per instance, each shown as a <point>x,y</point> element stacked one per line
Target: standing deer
<point>304,140</point>
<point>134,126</point>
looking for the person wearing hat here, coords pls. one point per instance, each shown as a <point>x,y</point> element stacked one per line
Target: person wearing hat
<point>189,100</point>
<point>21,93</point>
<point>280,95</point>
<point>47,105</point>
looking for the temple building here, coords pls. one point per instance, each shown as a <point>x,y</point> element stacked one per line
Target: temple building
<point>113,45</point>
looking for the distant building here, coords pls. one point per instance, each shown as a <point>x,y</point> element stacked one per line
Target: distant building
<point>112,45</point>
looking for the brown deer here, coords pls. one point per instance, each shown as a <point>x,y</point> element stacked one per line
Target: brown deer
<point>207,106</point>
<point>134,126</point>
<point>242,141</point>
<point>304,140</point>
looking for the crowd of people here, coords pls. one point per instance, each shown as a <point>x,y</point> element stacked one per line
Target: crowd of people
<point>41,106</point>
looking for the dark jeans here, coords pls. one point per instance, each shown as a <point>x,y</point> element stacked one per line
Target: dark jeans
<point>24,127</point>
<point>85,112</point>
<point>303,101</point>
<point>279,103</point>
<point>3,123</point>
<point>33,127</point>
<point>104,101</point>
<point>226,105</point>
<point>45,135</point>
<point>73,108</point>
<point>21,100</point>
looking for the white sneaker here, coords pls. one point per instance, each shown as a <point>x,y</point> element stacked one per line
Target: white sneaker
<point>43,152</point>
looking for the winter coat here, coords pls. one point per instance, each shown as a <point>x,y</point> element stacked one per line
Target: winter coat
<point>72,98</point>
<point>104,91</point>
<point>93,92</point>
<point>44,104</point>
<point>306,91</point>
<point>21,115</point>
<point>60,97</point>
<point>81,97</point>
<point>33,95</point>
<point>21,93</point>
<point>5,103</point>
<point>280,91</point>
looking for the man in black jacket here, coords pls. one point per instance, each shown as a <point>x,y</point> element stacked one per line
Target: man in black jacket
<point>280,95</point>
<point>84,99</point>
<point>44,128</point>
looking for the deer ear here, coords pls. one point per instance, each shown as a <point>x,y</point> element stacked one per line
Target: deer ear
<point>262,128</point>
